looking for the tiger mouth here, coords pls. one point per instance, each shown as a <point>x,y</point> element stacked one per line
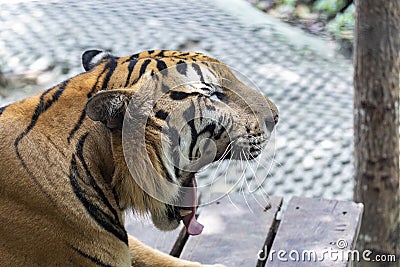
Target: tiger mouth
<point>248,148</point>
<point>254,152</point>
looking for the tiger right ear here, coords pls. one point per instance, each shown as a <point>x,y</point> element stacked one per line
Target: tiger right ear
<point>91,58</point>
<point>109,107</point>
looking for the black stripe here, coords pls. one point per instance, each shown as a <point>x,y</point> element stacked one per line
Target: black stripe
<point>199,72</point>
<point>76,126</point>
<point>2,109</point>
<point>199,99</point>
<point>181,67</point>
<point>210,107</point>
<point>229,124</point>
<point>176,168</point>
<point>143,68</point>
<point>162,66</point>
<point>210,128</point>
<point>164,169</point>
<point>41,107</point>
<point>110,66</point>
<point>114,191</point>
<point>82,193</point>
<point>174,138</point>
<point>218,134</point>
<point>131,66</point>
<point>172,212</point>
<point>150,52</point>
<point>160,54</point>
<point>132,57</point>
<point>176,95</point>
<point>194,137</point>
<point>162,114</point>
<point>189,116</point>
<point>109,222</point>
<point>91,258</point>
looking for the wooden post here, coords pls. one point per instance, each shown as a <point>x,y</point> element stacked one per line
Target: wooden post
<point>376,123</point>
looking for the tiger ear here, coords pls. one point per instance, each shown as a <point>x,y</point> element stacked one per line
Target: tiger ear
<point>108,107</point>
<point>91,58</point>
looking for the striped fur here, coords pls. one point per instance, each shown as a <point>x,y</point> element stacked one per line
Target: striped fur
<point>64,180</point>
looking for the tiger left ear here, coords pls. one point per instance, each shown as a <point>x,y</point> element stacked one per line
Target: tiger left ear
<point>108,107</point>
<point>91,58</point>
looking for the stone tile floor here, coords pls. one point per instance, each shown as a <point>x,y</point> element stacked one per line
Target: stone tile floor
<point>311,85</point>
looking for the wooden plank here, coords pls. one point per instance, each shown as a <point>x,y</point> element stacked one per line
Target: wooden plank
<point>316,231</point>
<point>143,229</point>
<point>235,229</point>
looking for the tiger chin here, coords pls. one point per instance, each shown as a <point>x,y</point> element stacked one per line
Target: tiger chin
<point>129,133</point>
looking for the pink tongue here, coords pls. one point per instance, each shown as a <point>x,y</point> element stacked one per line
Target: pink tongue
<point>193,227</point>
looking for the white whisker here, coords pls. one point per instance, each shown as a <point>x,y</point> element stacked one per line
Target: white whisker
<point>232,202</point>
<point>226,173</point>
<point>227,150</point>
<point>229,163</point>
<point>221,160</point>
<point>243,165</point>
<point>257,166</point>
<point>245,199</point>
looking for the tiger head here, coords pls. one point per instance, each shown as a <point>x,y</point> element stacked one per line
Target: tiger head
<point>174,113</point>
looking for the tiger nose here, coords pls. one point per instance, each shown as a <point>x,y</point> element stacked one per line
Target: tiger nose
<point>276,119</point>
<point>271,123</point>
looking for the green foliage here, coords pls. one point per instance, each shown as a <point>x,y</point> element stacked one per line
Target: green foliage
<point>291,3</point>
<point>342,25</point>
<point>339,25</point>
<point>329,7</point>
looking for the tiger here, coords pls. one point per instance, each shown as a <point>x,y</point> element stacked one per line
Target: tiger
<point>67,182</point>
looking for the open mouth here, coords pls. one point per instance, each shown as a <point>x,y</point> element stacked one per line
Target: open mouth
<point>255,149</point>
<point>188,214</point>
<point>254,152</point>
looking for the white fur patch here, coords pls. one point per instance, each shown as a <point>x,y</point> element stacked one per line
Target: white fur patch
<point>97,58</point>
